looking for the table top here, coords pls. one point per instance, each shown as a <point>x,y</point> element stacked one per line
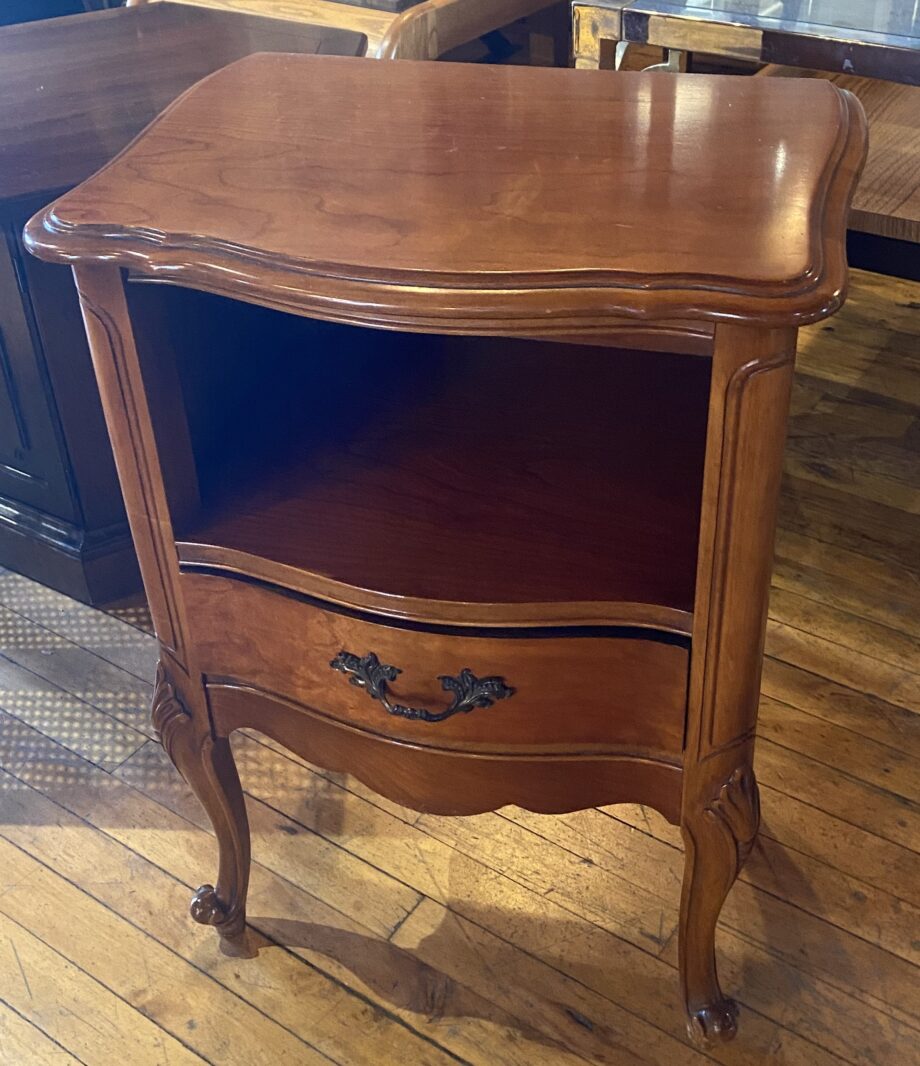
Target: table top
<point>75,90</point>
<point>475,198</point>
<point>873,39</point>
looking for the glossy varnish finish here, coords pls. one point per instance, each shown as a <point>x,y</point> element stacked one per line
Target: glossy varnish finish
<point>264,233</point>
<point>493,227</point>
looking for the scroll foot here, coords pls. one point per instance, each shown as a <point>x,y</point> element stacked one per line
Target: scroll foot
<point>714,1023</point>
<point>207,909</point>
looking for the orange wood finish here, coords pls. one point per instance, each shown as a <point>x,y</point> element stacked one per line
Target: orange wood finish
<point>495,228</point>
<point>467,201</point>
<point>468,783</point>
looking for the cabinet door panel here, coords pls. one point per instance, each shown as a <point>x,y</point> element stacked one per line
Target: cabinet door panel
<point>31,461</point>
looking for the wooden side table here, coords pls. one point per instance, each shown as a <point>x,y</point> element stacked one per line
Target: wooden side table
<point>61,515</point>
<point>487,516</point>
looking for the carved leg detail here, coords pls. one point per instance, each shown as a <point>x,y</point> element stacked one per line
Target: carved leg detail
<point>207,765</point>
<point>718,837</point>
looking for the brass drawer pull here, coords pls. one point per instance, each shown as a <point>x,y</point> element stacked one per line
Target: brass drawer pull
<point>469,691</point>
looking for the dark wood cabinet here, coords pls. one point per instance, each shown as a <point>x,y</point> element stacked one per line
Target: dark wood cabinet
<point>62,520</point>
<point>28,433</point>
<point>61,517</point>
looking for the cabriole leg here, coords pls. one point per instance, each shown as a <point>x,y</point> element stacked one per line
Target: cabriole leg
<point>718,836</point>
<point>749,401</point>
<point>208,767</point>
<point>180,711</point>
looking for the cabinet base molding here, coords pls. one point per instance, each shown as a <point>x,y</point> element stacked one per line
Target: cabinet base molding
<point>93,566</point>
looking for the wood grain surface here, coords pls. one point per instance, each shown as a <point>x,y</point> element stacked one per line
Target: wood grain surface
<point>373,24</point>
<point>596,691</point>
<point>519,209</point>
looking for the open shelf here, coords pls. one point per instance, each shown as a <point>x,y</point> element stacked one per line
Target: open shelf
<point>461,469</point>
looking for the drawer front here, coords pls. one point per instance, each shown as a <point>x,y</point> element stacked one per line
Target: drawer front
<point>570,692</point>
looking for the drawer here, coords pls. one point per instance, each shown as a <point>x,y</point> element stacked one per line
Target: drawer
<point>573,690</point>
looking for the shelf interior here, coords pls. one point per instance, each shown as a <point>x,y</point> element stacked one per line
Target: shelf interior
<point>464,469</point>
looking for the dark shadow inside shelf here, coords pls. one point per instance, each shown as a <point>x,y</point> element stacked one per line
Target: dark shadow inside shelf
<point>466,469</point>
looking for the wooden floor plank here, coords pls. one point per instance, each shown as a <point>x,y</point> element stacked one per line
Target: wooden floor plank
<point>184,1002</point>
<point>877,585</point>
<point>318,865</point>
<point>572,1017</point>
<point>847,522</point>
<point>860,349</point>
<point>76,670</point>
<point>304,1001</point>
<point>848,474</point>
<point>110,638</point>
<point>90,1020</point>
<point>293,865</point>
<point>426,852</point>
<point>333,942</point>
<point>820,785</point>
<point>852,753</point>
<point>825,657</point>
<point>864,449</point>
<point>845,414</point>
<point>811,946</point>
<point>887,644</point>
<point>70,721</point>
<point>885,723</point>
<point>854,852</point>
<point>608,844</point>
<point>310,927</point>
<point>536,924</point>
<point>845,899</point>
<point>21,1041</point>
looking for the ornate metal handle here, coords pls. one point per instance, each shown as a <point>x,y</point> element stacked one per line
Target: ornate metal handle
<point>469,691</point>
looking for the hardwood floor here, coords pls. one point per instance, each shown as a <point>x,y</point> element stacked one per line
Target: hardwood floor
<point>382,936</point>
